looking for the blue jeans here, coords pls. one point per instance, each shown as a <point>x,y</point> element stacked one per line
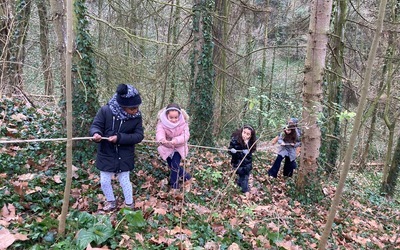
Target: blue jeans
<point>288,166</point>
<point>176,170</point>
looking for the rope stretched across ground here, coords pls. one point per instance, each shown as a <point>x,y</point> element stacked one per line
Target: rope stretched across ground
<point>89,138</point>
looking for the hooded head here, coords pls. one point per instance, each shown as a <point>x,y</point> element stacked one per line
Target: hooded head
<point>293,121</point>
<point>128,96</point>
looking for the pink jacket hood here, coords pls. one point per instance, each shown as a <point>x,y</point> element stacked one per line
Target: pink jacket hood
<point>177,132</point>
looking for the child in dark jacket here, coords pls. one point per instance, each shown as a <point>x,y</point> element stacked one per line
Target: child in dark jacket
<point>120,121</point>
<point>288,140</point>
<point>241,148</point>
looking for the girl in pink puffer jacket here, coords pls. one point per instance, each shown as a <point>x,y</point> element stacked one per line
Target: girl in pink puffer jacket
<point>173,134</point>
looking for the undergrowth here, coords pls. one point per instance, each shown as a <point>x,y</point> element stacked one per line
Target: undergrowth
<point>212,214</point>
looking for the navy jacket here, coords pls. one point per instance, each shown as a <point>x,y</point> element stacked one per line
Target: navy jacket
<point>237,157</point>
<point>120,156</point>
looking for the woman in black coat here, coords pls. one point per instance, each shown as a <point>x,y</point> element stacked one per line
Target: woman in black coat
<point>241,148</point>
<point>117,127</point>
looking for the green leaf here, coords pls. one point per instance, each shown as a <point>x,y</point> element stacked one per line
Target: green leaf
<point>84,238</point>
<point>102,233</point>
<point>135,218</point>
<point>275,236</point>
<point>98,234</point>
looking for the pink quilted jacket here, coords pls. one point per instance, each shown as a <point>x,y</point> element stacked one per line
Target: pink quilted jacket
<point>176,132</point>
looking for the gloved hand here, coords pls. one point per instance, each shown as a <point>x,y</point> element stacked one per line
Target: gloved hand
<point>233,151</point>
<point>245,151</point>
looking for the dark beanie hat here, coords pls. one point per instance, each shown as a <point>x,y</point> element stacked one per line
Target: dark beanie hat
<point>128,96</point>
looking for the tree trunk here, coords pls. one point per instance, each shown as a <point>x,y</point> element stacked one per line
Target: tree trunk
<point>335,88</point>
<point>356,126</point>
<point>201,104</point>
<point>169,63</point>
<point>84,79</point>
<point>393,175</point>
<point>263,77</point>
<point>364,156</point>
<point>312,94</point>
<point>247,78</point>
<point>175,39</point>
<point>220,32</point>
<point>68,100</point>
<point>390,116</point>
<point>58,15</point>
<point>372,113</point>
<point>44,48</point>
<point>168,57</point>
<point>271,80</point>
<point>6,14</point>
<point>18,50</point>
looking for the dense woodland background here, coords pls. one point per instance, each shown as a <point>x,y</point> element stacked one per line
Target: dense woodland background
<point>228,63</point>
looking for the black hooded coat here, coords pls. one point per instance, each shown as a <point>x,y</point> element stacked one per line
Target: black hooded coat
<point>120,156</point>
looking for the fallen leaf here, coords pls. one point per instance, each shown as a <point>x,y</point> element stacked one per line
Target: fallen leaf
<point>211,246</point>
<point>19,117</point>
<point>26,177</point>
<point>234,246</point>
<point>89,247</point>
<point>285,244</point>
<point>19,187</point>
<point>139,237</point>
<point>7,238</point>
<point>177,229</point>
<point>161,211</point>
<point>57,179</point>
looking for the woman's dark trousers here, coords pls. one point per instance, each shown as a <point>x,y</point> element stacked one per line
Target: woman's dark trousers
<point>288,166</point>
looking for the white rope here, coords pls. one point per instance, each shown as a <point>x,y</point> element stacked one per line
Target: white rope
<point>103,138</point>
<point>49,139</point>
<point>198,146</point>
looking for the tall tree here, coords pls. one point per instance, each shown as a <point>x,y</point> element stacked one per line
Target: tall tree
<point>169,64</point>
<point>45,47</point>
<point>201,104</point>
<point>6,26</point>
<point>263,78</point>
<point>372,111</point>
<point>334,87</point>
<point>175,39</point>
<point>18,48</point>
<point>357,121</point>
<point>270,81</point>
<point>391,115</point>
<point>84,88</point>
<point>249,47</point>
<point>313,94</point>
<point>58,17</point>
<point>391,182</point>
<point>68,100</point>
<point>220,32</point>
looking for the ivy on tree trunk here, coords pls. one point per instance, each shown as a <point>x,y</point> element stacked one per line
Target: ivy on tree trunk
<point>84,92</point>
<point>201,104</point>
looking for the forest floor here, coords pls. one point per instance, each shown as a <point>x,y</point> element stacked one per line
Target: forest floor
<point>210,212</point>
